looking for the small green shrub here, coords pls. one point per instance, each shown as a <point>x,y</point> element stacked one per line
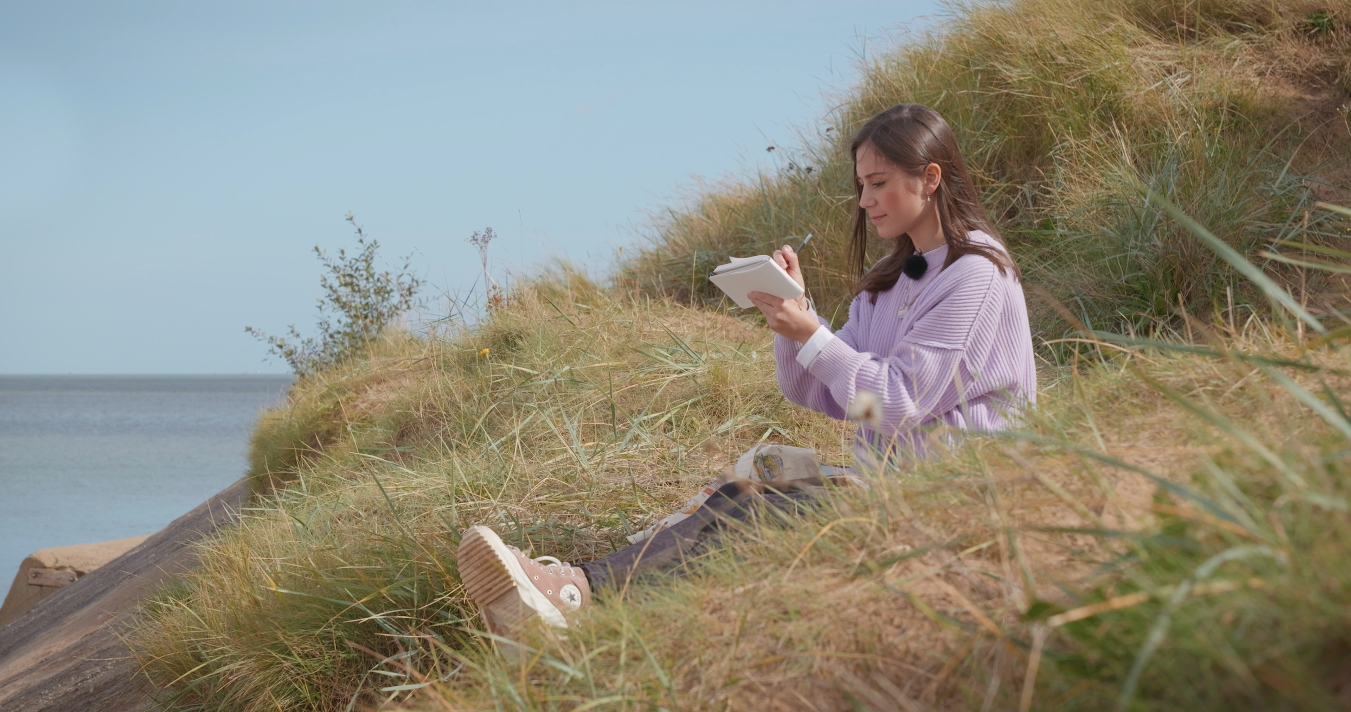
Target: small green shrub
<point>359,302</point>
<point>1321,22</point>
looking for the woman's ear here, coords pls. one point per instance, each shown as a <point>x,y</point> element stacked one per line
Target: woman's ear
<point>933,176</point>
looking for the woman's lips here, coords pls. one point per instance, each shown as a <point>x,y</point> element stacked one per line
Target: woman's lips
<point>875,218</point>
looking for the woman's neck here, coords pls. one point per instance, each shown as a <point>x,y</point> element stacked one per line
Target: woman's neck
<point>927,234</point>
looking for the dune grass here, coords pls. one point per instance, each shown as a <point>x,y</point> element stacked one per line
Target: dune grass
<point>1229,109</point>
<point>1202,495</point>
<point>1022,573</point>
<point>566,421</point>
<point>1167,531</point>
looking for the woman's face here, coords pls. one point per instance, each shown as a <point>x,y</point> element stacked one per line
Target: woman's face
<point>896,201</point>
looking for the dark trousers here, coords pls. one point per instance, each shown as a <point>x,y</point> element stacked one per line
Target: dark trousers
<point>735,501</point>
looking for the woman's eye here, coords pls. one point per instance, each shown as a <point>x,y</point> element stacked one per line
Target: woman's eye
<point>879,185</point>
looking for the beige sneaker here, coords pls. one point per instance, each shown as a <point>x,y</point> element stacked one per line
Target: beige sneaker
<point>510,589</point>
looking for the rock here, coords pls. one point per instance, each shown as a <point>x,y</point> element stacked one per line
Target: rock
<point>46,570</point>
<point>65,652</point>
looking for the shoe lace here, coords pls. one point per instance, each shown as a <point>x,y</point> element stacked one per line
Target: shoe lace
<point>549,561</point>
<point>559,567</point>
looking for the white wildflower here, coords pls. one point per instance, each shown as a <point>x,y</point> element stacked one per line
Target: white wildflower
<point>865,408</point>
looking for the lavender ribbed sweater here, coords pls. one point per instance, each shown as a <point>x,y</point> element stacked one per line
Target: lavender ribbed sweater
<point>953,348</point>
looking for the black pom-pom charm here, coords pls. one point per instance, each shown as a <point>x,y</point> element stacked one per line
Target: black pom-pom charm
<point>915,266</point>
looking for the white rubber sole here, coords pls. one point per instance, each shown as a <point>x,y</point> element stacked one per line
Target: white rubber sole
<point>494,579</point>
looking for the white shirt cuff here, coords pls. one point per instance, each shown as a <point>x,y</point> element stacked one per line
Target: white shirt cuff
<point>813,347</point>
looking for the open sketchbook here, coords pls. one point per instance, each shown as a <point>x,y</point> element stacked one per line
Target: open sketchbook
<point>760,273</point>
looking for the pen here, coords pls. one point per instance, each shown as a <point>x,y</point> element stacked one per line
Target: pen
<point>805,240</point>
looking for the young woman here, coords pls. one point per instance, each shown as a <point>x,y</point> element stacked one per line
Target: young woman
<point>937,339</point>
<point>938,334</point>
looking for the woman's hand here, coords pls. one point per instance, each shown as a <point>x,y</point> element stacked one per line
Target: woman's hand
<point>787,259</point>
<point>789,318</point>
<point>786,317</point>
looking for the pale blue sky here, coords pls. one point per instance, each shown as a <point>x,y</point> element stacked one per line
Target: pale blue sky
<point>165,167</point>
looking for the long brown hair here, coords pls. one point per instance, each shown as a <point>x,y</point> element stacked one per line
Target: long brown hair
<point>911,136</point>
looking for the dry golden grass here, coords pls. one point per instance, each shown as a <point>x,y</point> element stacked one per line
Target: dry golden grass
<point>914,592</point>
<point>1168,530</point>
<point>589,413</point>
<point>1060,107</point>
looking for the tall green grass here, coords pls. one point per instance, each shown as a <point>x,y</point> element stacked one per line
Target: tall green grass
<point>1059,108</point>
<point>566,422</point>
<point>1167,531</point>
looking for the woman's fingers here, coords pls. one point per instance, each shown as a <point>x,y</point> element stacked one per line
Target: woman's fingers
<point>768,304</point>
<point>791,265</point>
<point>782,319</point>
<point>779,316</point>
<point>781,260</point>
<point>764,301</point>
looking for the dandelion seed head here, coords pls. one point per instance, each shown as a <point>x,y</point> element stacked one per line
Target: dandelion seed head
<point>866,409</point>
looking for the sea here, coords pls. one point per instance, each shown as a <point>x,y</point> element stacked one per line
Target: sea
<point>91,458</point>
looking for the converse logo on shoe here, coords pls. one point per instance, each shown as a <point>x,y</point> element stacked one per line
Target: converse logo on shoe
<point>572,596</point>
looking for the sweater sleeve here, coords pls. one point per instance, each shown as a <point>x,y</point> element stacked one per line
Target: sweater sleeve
<point>928,372</point>
<point>801,387</point>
